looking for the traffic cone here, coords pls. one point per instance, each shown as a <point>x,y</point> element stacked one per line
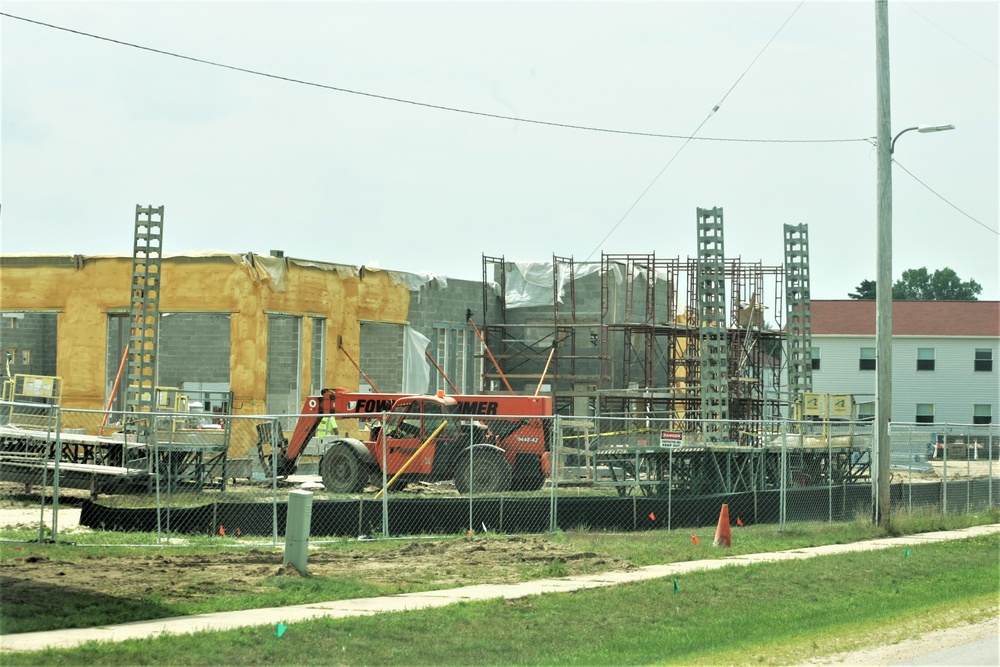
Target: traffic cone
<point>722,537</point>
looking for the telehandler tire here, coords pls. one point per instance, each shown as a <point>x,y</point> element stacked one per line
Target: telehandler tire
<point>490,472</point>
<point>342,470</point>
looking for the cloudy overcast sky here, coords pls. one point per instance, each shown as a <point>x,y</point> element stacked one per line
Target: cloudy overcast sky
<point>244,162</point>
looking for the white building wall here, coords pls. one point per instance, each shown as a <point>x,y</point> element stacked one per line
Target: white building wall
<point>953,387</point>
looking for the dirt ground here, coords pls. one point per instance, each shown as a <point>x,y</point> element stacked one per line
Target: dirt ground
<point>170,576</point>
<point>27,575</point>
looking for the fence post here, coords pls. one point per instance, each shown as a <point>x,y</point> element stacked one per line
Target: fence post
<point>385,475</point>
<point>968,475</point>
<point>170,476</point>
<point>55,477</point>
<point>989,457</point>
<point>151,448</point>
<point>944,473</point>
<point>783,490</point>
<point>554,454</point>
<point>670,488</point>
<point>276,436</point>
<point>44,459</point>
<point>472,437</point>
<point>829,474</point>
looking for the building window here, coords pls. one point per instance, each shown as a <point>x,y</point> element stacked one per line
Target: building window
<point>984,360</point>
<point>815,358</point>
<point>925,413</point>
<point>925,358</point>
<point>867,360</point>
<point>317,364</point>
<point>982,413</point>
<point>866,411</point>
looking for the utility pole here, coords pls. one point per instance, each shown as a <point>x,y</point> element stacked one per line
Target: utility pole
<point>883,278</point>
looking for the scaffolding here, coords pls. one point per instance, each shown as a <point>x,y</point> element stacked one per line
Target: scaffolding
<point>547,347</point>
<point>144,313</point>
<point>693,340</point>
<point>799,312</point>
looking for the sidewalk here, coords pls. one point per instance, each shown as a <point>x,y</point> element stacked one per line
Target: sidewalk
<point>34,641</point>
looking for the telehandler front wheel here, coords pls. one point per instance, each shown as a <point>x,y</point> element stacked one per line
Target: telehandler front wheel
<point>341,470</point>
<point>489,472</point>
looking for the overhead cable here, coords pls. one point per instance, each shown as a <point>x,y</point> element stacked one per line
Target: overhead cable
<point>691,137</point>
<point>942,198</point>
<point>426,105</point>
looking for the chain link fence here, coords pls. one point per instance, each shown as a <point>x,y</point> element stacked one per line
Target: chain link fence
<point>179,478</point>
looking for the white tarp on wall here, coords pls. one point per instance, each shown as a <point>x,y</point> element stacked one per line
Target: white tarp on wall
<point>416,371</point>
<point>534,283</point>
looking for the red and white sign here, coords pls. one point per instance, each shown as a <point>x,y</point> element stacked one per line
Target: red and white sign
<point>670,438</point>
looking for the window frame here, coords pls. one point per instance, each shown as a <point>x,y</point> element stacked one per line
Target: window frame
<point>924,413</point>
<point>924,362</point>
<point>978,418</point>
<point>866,363</point>
<point>815,358</point>
<point>984,364</point>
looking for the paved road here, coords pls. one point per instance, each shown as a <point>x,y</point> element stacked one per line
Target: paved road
<point>981,652</point>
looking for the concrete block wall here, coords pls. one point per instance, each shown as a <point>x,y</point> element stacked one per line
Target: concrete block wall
<point>438,312</point>
<point>587,311</point>
<point>193,347</point>
<point>283,343</point>
<point>381,357</point>
<point>31,340</point>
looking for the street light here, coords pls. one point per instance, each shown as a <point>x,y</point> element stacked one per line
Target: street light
<point>883,307</point>
<point>923,129</point>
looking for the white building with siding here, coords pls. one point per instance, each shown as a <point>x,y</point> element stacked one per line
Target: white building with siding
<point>945,358</point>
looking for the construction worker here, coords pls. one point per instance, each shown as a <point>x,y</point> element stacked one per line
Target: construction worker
<point>327,427</point>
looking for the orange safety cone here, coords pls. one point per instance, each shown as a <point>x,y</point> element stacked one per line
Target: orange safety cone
<point>722,537</point>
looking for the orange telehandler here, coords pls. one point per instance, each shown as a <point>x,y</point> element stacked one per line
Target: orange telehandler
<point>486,444</point>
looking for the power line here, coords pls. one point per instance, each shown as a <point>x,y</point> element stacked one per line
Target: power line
<point>426,105</point>
<point>912,9</point>
<point>936,194</point>
<point>692,135</point>
<point>757,57</point>
<point>942,198</point>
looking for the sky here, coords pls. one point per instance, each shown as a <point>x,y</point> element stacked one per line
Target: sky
<point>244,162</point>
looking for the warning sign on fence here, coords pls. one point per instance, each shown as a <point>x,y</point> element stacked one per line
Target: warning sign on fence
<point>670,438</point>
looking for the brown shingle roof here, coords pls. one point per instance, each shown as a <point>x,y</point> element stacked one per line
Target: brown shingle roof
<point>909,318</point>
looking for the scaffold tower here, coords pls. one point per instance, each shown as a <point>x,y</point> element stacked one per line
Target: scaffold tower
<point>712,325</point>
<point>144,313</point>
<point>799,311</point>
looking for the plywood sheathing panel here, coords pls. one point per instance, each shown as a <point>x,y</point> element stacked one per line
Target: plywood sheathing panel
<point>83,297</point>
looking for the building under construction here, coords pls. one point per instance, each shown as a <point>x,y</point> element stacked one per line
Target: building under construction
<point>709,346</point>
<point>714,344</point>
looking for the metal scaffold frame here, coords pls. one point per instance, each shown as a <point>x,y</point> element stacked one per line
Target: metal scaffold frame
<point>552,350</point>
<point>799,312</point>
<point>667,348</point>
<point>712,339</point>
<point>144,313</point>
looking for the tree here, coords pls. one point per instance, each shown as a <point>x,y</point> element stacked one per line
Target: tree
<point>920,285</point>
<point>866,290</point>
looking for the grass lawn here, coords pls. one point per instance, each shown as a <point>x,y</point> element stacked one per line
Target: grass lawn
<point>776,613</point>
<point>772,613</point>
